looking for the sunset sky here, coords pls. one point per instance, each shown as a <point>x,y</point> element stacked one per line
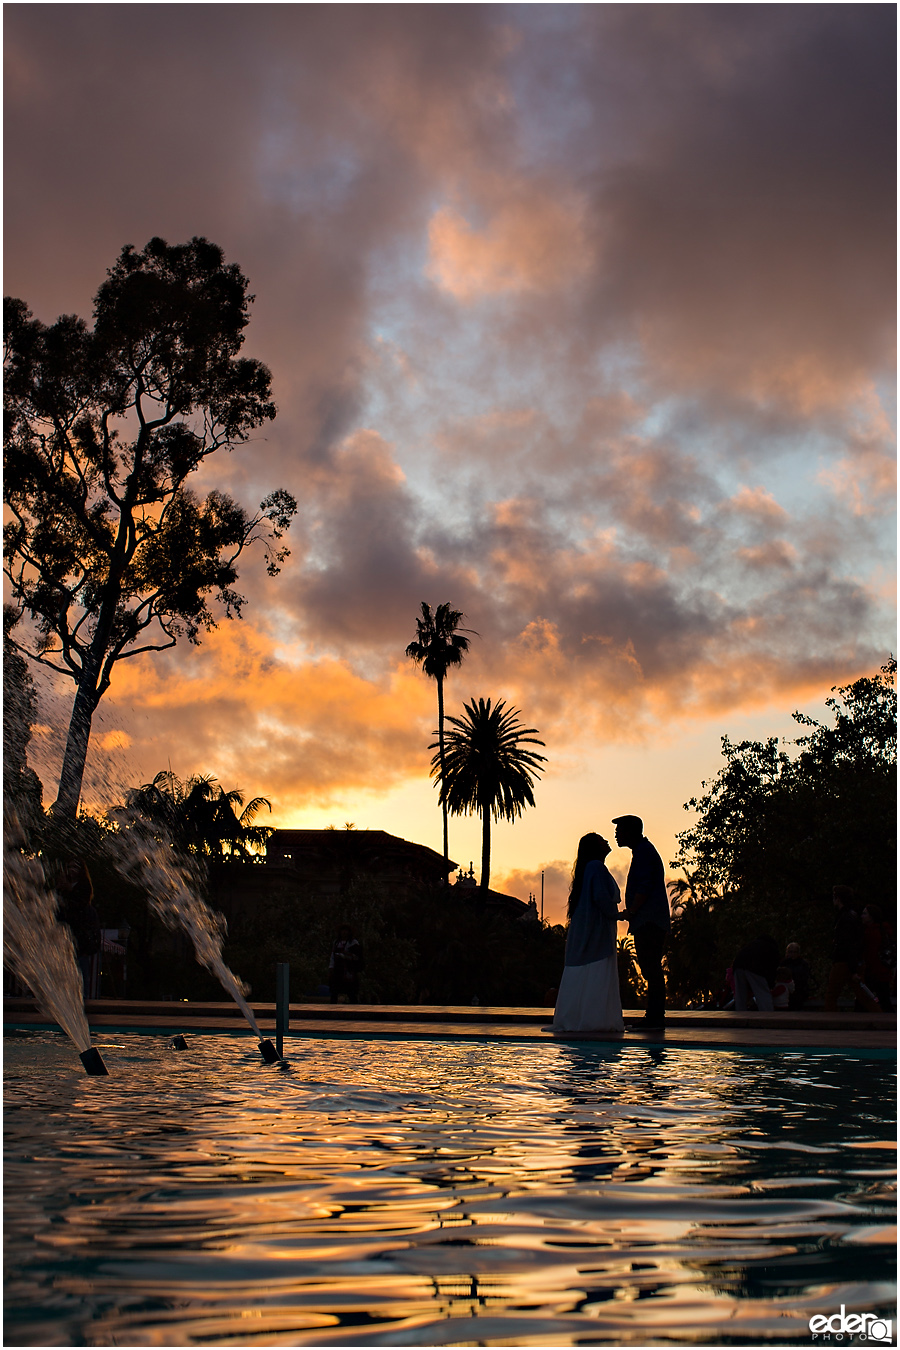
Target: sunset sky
<point>580,318</point>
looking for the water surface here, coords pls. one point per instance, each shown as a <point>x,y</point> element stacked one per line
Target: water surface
<point>392,1192</point>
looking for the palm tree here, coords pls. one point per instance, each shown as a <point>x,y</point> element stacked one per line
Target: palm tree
<point>200,816</point>
<point>440,643</point>
<point>486,770</point>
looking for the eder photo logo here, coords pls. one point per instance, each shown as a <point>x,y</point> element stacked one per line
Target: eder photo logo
<point>852,1328</point>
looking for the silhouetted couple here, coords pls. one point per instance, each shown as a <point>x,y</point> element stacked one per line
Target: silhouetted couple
<point>589,998</point>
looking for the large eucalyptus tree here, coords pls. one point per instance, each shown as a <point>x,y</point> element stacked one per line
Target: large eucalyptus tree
<point>106,548</point>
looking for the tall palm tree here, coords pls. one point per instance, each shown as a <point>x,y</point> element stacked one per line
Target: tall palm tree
<point>440,643</point>
<point>201,816</point>
<point>485,768</point>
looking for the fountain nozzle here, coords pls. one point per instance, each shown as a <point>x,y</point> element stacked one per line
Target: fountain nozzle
<point>268,1052</point>
<point>93,1062</point>
<point>179,1043</point>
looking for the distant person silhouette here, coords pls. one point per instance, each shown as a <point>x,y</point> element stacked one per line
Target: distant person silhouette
<point>588,998</point>
<point>800,974</point>
<point>847,953</point>
<point>879,956</point>
<point>755,968</point>
<point>76,909</point>
<point>344,967</point>
<point>783,988</point>
<point>647,912</point>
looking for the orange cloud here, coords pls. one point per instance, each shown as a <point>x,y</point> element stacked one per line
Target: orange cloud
<point>115,740</point>
<point>868,481</point>
<point>758,504</point>
<point>522,882</point>
<point>530,243</point>
<point>302,732</point>
<point>776,553</point>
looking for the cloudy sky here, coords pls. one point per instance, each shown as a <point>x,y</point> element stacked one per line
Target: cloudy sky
<point>579,317</point>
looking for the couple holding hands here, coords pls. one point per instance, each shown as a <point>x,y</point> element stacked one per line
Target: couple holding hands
<point>589,998</point>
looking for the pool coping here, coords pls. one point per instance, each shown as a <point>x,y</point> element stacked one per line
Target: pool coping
<point>708,1028</point>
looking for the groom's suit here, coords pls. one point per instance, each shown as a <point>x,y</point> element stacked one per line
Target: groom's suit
<point>650,923</point>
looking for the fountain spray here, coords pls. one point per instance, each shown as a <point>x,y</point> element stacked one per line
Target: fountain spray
<point>39,948</point>
<point>172,881</point>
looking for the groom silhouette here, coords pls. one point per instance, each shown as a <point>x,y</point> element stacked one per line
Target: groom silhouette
<point>647,912</point>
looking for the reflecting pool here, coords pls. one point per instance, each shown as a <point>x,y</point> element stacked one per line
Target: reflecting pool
<point>456,1192</point>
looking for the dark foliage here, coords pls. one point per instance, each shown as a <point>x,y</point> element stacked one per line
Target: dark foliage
<point>695,958</point>
<point>779,826</point>
<point>200,817</point>
<point>22,791</point>
<point>632,985</point>
<point>421,945</point>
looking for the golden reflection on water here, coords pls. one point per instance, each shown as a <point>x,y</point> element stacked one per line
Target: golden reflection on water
<point>431,1193</point>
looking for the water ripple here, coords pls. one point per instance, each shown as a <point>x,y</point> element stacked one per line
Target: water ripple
<point>436,1193</point>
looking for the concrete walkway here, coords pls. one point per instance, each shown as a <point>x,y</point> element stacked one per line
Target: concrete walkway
<point>841,1030</point>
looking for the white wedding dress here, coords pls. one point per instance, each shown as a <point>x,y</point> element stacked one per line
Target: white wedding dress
<point>588,998</point>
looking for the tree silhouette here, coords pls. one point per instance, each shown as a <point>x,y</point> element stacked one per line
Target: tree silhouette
<point>485,769</point>
<point>781,823</point>
<point>440,643</point>
<point>778,827</point>
<point>200,816</point>
<point>105,547</point>
<point>22,791</point>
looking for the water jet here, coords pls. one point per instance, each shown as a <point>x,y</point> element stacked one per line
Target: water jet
<point>172,883</point>
<point>37,946</point>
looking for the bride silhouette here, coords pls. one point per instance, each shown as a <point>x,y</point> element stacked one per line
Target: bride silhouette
<point>588,997</point>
